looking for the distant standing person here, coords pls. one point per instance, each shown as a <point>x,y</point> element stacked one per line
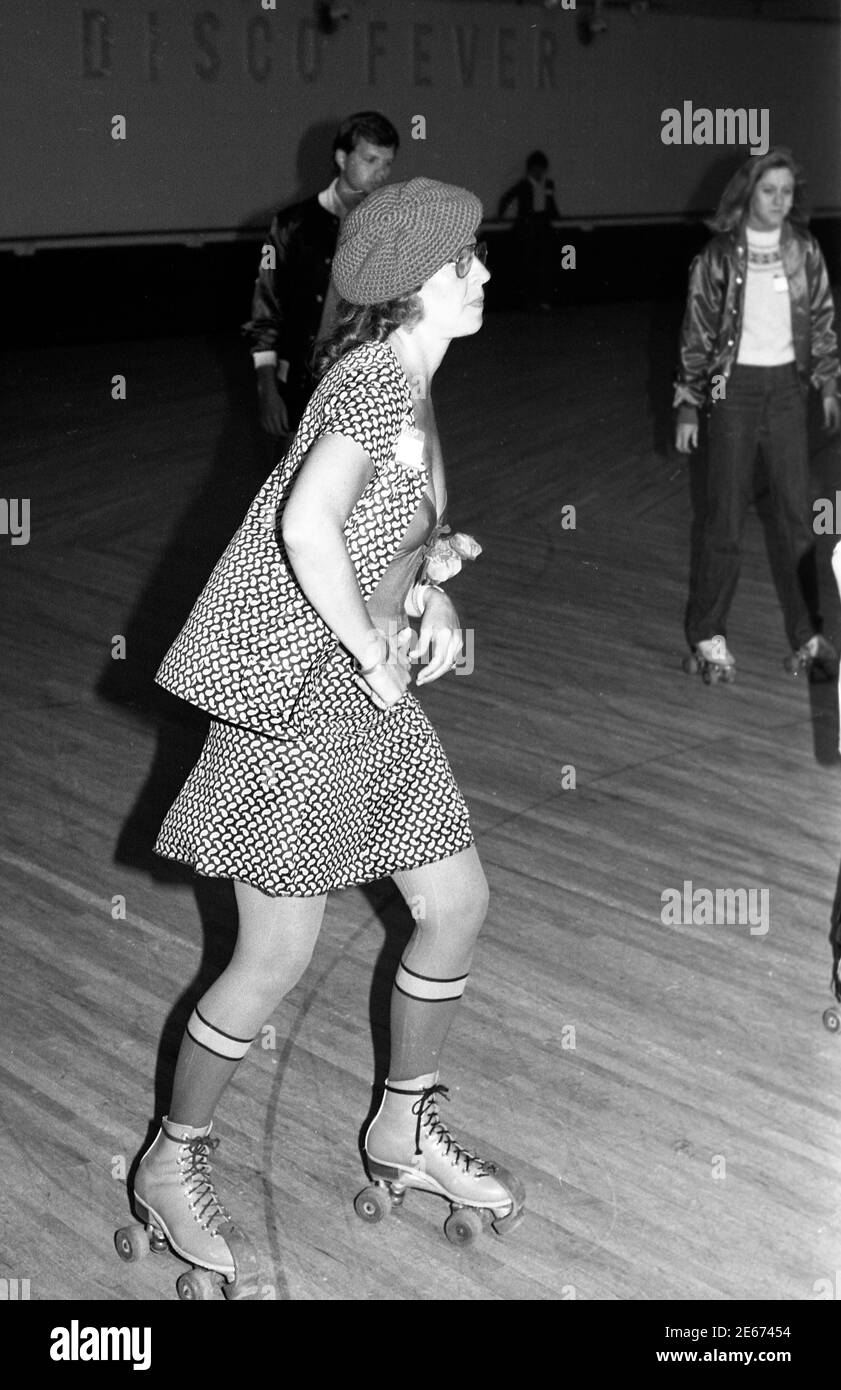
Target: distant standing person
<point>757,331</point>
<point>293,306</point>
<point>533,199</point>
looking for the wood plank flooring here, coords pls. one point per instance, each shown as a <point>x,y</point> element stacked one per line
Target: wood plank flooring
<point>667,1093</point>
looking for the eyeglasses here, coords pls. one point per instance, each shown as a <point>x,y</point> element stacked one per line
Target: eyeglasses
<point>464,260</point>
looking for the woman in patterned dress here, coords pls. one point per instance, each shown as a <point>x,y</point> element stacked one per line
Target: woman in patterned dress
<point>320,769</point>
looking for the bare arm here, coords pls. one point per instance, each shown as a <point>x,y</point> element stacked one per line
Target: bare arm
<point>330,482</point>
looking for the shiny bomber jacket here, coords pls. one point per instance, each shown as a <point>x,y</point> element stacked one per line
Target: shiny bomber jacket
<point>712,323</point>
<point>288,300</point>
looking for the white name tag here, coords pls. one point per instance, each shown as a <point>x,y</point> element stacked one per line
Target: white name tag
<point>781,284</point>
<point>410,448</point>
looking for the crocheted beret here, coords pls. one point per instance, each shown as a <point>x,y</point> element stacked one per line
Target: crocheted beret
<point>399,236</point>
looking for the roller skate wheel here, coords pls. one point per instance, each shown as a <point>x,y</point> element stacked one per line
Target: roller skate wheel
<point>728,675</point>
<point>792,665</point>
<point>372,1204</point>
<point>196,1284</point>
<point>690,664</point>
<point>832,1021</point>
<point>132,1243</point>
<point>463,1226</point>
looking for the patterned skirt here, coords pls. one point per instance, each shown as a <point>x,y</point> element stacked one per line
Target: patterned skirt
<point>352,795</point>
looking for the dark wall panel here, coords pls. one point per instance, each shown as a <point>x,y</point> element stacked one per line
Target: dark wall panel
<point>230,107</point>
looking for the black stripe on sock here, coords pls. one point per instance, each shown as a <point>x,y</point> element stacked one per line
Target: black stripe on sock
<point>434,979</point>
<point>419,999</point>
<point>233,1037</point>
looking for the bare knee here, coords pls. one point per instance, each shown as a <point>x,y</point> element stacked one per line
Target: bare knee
<point>273,968</point>
<point>460,908</point>
<point>470,894</point>
<point>477,900</point>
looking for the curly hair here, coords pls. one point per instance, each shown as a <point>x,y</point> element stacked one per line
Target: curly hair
<point>365,323</point>
<point>734,203</point>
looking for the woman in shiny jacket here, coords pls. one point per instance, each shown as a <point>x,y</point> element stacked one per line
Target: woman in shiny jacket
<point>757,332</point>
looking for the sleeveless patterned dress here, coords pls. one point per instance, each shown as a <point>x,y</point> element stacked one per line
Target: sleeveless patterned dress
<point>303,785</point>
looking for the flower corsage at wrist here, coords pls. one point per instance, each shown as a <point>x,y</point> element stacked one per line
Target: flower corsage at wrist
<point>445,552</point>
<point>443,556</point>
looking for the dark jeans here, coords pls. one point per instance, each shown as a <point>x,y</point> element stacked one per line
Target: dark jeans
<point>765,409</point>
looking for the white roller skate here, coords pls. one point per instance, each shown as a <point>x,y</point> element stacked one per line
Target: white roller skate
<point>712,659</point>
<point>407,1146</point>
<point>175,1198</point>
<point>816,659</point>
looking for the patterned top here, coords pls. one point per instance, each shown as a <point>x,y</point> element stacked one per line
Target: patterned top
<point>766,339</point>
<point>253,636</point>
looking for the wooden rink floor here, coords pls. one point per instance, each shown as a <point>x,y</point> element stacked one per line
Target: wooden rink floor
<point>667,1093</point>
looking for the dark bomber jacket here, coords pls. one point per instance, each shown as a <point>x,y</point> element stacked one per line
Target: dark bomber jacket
<point>712,323</point>
<point>288,301</point>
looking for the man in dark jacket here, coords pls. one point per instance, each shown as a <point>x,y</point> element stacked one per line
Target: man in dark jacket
<point>294,301</point>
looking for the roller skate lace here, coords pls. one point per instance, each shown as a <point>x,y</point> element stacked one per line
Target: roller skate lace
<point>198,1183</point>
<point>426,1109</point>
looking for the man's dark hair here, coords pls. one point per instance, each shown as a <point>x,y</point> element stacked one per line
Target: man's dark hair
<point>537,160</point>
<point>366,125</point>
